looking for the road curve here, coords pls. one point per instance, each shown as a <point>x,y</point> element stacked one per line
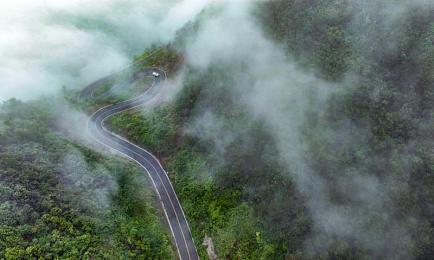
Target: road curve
<point>169,201</point>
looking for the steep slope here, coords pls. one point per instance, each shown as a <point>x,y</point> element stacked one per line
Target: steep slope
<point>62,200</point>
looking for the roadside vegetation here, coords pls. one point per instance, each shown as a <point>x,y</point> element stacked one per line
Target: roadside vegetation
<point>61,200</point>
<point>245,199</point>
<point>233,187</point>
<point>221,202</point>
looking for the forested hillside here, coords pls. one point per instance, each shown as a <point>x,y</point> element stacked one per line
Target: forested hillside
<point>290,130</point>
<point>379,125</point>
<point>60,200</point>
<point>367,145</point>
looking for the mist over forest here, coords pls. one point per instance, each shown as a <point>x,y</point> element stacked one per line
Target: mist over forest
<point>289,129</point>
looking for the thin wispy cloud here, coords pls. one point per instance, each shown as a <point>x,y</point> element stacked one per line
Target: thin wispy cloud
<point>47,44</point>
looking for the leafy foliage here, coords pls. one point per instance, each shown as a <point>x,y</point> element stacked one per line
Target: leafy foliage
<point>214,206</point>
<point>61,200</point>
<point>379,125</point>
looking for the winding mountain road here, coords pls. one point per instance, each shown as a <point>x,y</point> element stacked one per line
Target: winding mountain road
<point>172,208</point>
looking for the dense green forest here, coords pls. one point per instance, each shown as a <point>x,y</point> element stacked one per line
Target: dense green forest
<point>360,185</point>
<point>61,200</point>
<point>380,124</point>
<point>375,131</point>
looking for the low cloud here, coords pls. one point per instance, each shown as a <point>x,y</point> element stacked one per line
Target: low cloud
<point>94,185</point>
<point>45,45</point>
<point>282,95</point>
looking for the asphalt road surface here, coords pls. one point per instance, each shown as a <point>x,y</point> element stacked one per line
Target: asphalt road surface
<point>172,208</point>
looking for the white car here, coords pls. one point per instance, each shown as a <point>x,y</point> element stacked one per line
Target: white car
<point>155,74</point>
